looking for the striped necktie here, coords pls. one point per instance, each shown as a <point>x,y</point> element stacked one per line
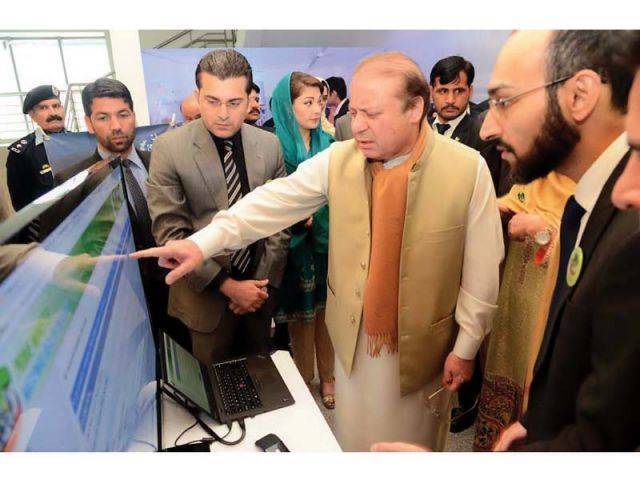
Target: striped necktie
<point>240,259</point>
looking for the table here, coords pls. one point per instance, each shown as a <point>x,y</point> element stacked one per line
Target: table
<point>300,426</point>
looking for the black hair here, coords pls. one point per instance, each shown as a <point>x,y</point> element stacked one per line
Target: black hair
<point>448,70</point>
<point>225,63</point>
<point>105,87</point>
<point>573,50</point>
<point>338,85</point>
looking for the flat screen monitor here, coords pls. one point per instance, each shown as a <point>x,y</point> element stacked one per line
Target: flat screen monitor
<point>77,354</point>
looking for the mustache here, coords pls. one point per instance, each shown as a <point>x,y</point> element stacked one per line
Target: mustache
<point>505,146</point>
<point>51,118</point>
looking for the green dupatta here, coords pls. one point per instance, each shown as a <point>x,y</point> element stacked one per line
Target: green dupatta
<point>304,284</point>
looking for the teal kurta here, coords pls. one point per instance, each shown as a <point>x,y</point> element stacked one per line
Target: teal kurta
<point>304,285</point>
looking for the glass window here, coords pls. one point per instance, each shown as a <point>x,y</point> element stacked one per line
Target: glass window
<point>47,58</point>
<point>11,118</point>
<point>85,60</point>
<point>38,63</point>
<point>7,78</point>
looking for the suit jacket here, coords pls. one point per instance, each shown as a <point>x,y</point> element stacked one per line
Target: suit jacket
<point>344,109</point>
<point>585,388</point>
<point>186,188</point>
<point>343,128</point>
<point>468,133</point>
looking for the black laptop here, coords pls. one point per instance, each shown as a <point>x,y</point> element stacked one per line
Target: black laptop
<point>228,390</point>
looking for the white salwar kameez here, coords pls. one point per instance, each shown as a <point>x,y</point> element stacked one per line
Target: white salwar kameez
<point>369,407</point>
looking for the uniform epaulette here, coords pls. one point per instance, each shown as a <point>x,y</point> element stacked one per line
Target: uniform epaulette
<point>19,145</point>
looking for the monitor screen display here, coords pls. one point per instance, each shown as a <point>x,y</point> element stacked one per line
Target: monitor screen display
<point>77,356</point>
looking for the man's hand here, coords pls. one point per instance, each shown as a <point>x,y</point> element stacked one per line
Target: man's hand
<point>505,212</point>
<point>456,372</point>
<point>180,256</point>
<point>515,433</point>
<point>523,225</point>
<point>245,296</point>
<point>398,447</point>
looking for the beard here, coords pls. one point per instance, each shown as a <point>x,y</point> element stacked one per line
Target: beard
<point>550,148</point>
<point>112,147</point>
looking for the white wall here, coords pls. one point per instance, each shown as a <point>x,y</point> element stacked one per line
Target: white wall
<point>127,64</point>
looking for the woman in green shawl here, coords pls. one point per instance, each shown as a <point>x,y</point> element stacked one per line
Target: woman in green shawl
<point>297,109</point>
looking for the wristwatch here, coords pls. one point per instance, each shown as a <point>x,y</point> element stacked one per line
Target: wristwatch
<point>543,237</point>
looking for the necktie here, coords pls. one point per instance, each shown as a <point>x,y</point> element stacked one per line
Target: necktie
<point>569,228</point>
<point>442,127</point>
<point>241,259</point>
<point>143,219</point>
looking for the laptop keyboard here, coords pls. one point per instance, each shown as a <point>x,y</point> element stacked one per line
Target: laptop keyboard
<point>238,392</point>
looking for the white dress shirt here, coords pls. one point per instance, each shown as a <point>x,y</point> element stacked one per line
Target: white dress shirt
<point>453,124</point>
<point>285,201</point>
<point>592,182</point>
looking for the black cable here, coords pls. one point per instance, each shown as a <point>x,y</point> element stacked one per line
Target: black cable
<point>175,443</point>
<point>195,413</point>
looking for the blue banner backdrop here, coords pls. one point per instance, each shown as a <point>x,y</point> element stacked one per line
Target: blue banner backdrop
<point>169,73</point>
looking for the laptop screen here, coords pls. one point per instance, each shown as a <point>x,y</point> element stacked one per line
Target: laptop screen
<point>184,373</point>
<point>77,357</point>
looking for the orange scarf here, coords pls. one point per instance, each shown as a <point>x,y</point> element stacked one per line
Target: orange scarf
<point>389,200</point>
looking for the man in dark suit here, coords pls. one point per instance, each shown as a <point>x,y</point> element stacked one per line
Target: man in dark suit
<point>337,101</point>
<point>205,167</point>
<point>110,116</point>
<point>451,87</point>
<point>564,110</point>
<point>626,193</point>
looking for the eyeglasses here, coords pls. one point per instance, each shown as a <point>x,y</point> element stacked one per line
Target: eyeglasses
<point>501,104</point>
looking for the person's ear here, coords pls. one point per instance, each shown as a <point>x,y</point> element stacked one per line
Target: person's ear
<point>581,95</point>
<point>470,92</point>
<point>416,110</point>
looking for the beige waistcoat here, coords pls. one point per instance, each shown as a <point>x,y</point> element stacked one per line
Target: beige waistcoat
<point>439,190</point>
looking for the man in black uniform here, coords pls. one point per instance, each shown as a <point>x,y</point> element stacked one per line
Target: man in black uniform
<point>28,171</point>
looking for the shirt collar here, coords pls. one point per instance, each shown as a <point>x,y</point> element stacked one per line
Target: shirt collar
<point>220,141</point>
<point>41,136</point>
<point>592,182</point>
<point>132,156</point>
<point>454,123</point>
<point>340,105</point>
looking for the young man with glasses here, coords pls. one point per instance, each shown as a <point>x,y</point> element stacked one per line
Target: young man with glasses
<point>197,170</point>
<point>564,110</point>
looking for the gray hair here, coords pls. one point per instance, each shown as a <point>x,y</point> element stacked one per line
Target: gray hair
<point>223,64</point>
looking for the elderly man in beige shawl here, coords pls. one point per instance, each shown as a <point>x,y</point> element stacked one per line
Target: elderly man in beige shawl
<point>414,251</point>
